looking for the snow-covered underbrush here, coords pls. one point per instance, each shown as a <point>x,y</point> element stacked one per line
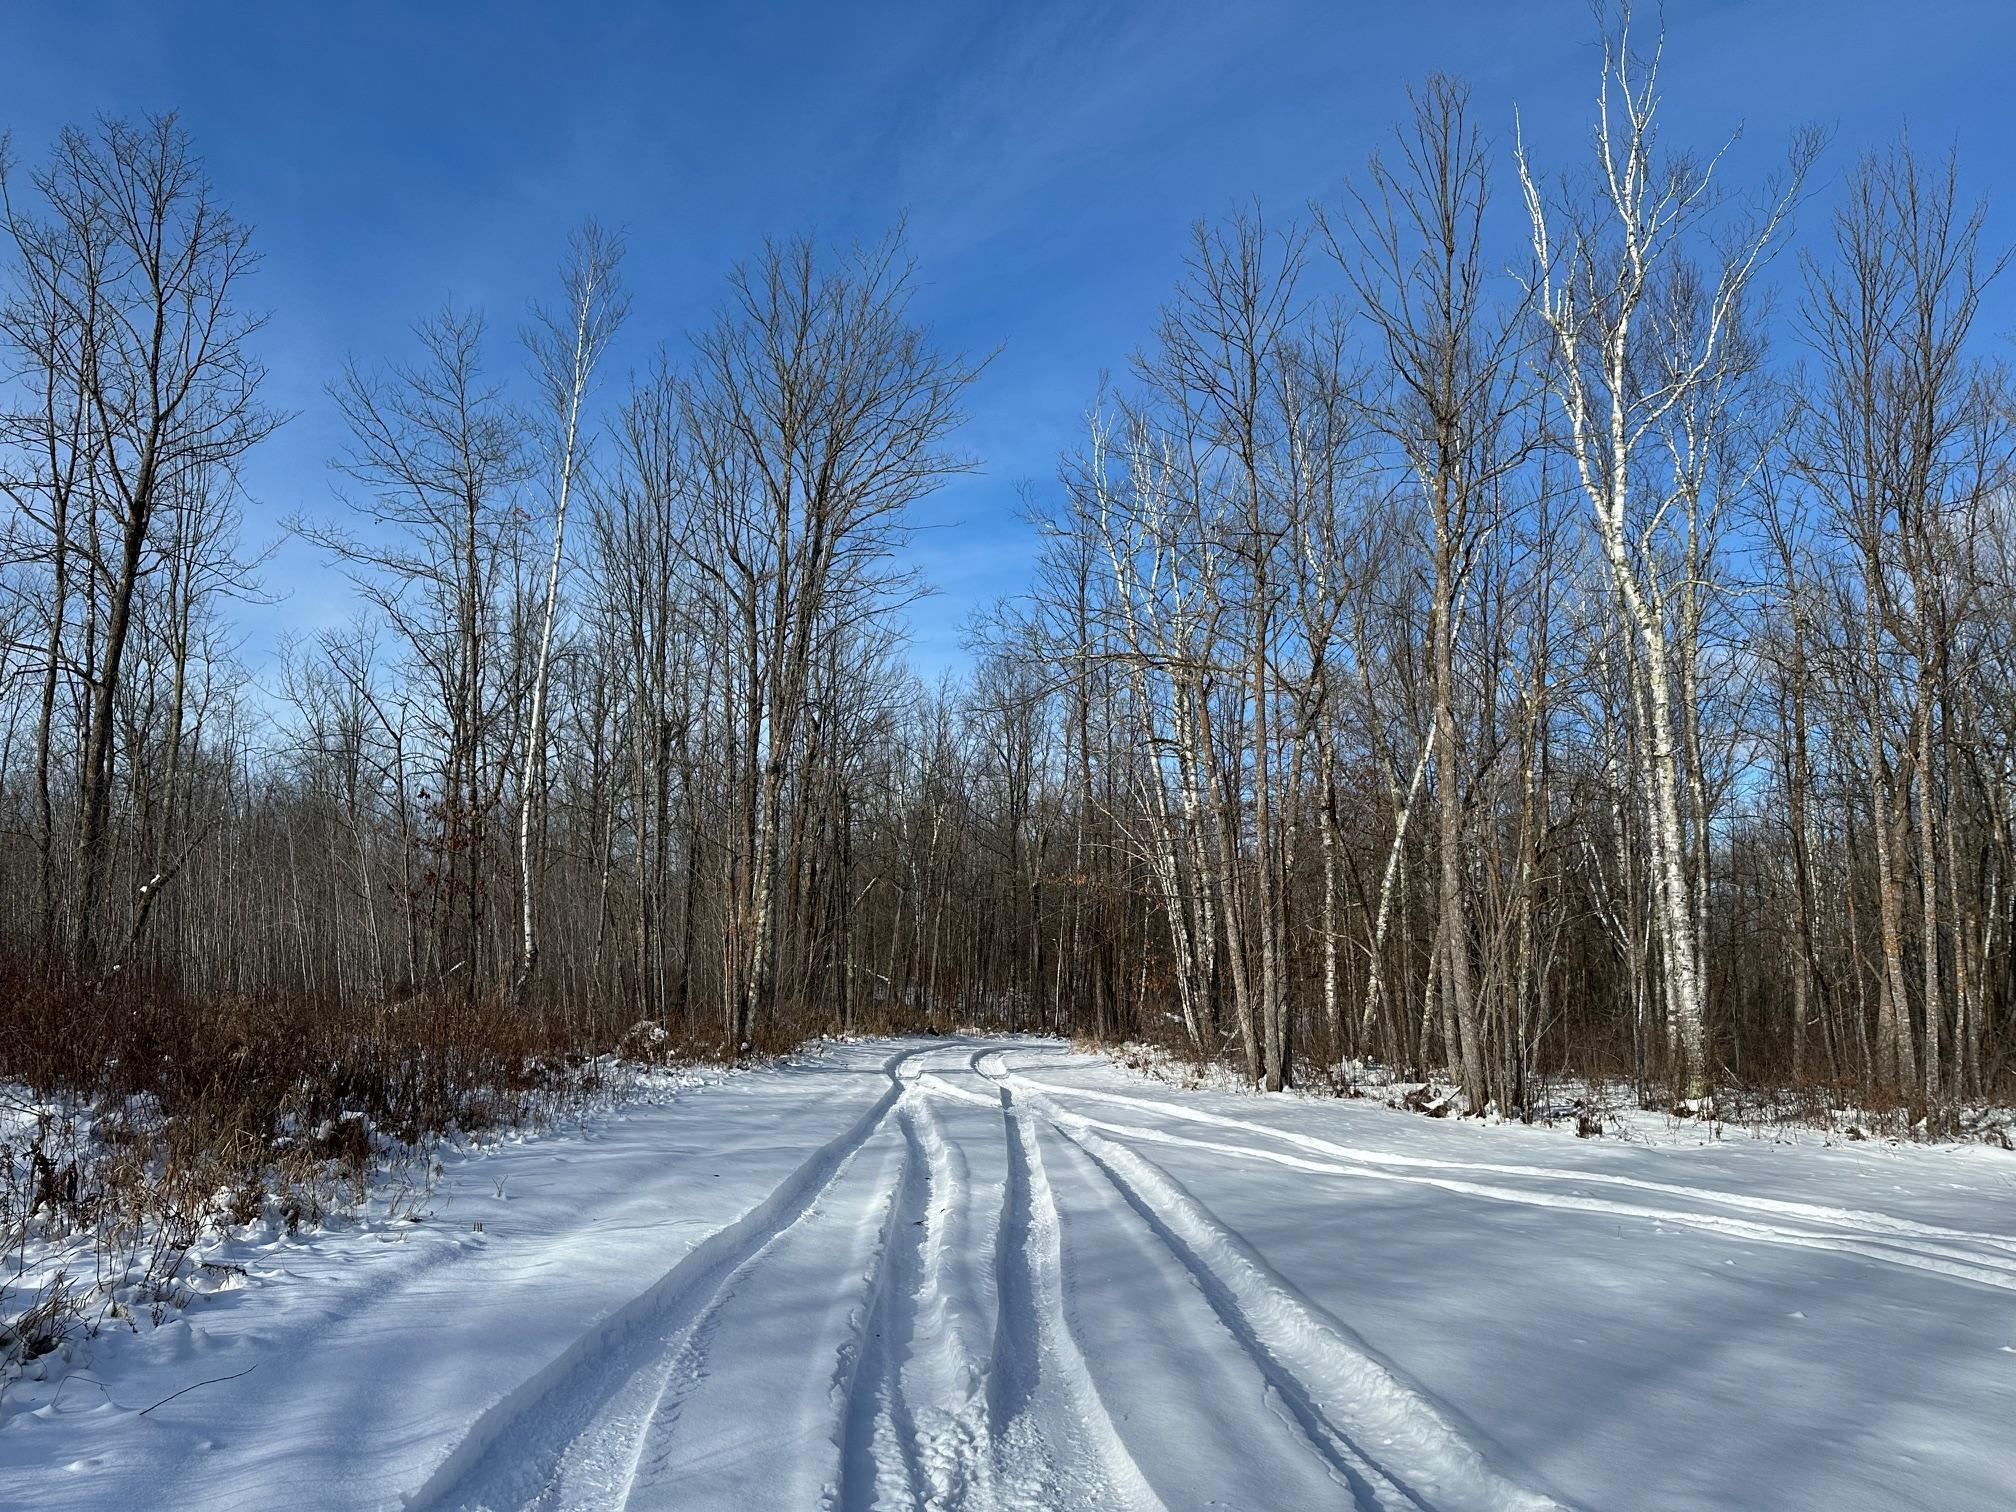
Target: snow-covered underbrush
<point>1822,1112</point>
<point>142,1133</point>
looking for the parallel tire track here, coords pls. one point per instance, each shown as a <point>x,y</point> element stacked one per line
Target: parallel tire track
<point>607,1386</point>
<point>1087,1462</point>
<point>941,1378</point>
<point>926,1409</point>
<point>1343,1401</point>
<point>1873,1225</point>
<point>876,1426</point>
<point>1942,1258</point>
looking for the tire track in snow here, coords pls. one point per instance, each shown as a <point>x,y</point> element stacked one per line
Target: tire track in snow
<point>1873,1224</point>
<point>878,1435</point>
<point>554,1440</point>
<point>1940,1259</point>
<point>1041,1456</point>
<point>741,1418</point>
<point>941,1375</point>
<point>1389,1445</point>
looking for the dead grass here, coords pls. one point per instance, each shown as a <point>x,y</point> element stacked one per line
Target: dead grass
<point>144,1120</point>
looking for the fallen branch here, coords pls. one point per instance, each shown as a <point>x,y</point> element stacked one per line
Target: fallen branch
<point>187,1389</point>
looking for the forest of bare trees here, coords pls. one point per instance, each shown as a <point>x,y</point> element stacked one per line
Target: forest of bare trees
<point>1589,649</point>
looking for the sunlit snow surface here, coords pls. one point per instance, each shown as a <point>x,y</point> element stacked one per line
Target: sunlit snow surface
<point>992,1274</point>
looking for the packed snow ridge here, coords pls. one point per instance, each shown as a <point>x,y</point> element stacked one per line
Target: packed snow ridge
<point>961,1273</point>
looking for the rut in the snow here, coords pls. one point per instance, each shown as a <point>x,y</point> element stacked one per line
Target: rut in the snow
<point>936,1294</point>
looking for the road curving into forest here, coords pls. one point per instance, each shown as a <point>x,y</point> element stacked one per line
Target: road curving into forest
<point>975,1297</point>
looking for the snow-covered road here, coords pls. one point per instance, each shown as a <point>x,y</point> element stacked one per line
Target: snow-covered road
<point>993,1274</point>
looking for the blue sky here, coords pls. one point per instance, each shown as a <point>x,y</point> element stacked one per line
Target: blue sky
<point>1049,157</point>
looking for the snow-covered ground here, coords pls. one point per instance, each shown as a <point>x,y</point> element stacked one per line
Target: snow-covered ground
<point>990,1274</point>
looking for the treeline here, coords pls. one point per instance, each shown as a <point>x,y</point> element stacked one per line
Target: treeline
<point>1602,665</point>
<point>605,729</point>
<point>1502,673</point>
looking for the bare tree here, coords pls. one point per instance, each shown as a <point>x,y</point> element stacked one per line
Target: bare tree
<point>818,413</point>
<point>566,347</point>
<point>1413,245</point>
<point>1595,270</point>
<point>135,269</point>
<point>1904,444</point>
<point>440,454</point>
